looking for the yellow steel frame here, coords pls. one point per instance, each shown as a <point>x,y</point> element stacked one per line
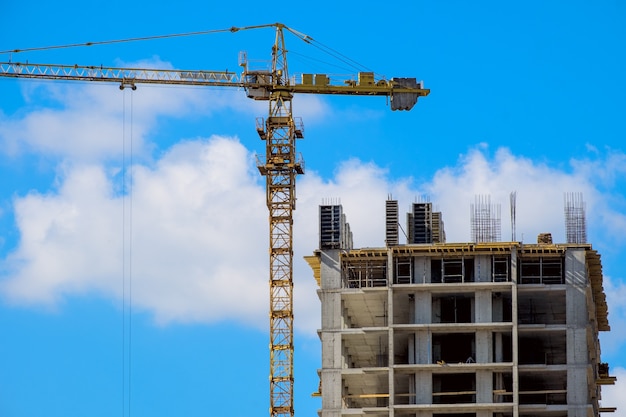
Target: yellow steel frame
<point>280,172</point>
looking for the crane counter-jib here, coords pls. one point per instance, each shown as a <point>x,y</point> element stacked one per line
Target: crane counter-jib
<point>403,97</point>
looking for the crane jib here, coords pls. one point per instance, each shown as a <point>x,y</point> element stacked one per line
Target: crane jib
<point>108,74</point>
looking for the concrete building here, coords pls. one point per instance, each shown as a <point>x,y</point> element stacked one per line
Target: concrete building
<point>430,328</point>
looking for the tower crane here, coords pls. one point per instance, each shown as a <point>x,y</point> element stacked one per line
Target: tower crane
<point>280,166</point>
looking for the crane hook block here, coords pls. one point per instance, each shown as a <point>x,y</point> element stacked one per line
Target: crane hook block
<point>126,83</point>
<point>404,101</point>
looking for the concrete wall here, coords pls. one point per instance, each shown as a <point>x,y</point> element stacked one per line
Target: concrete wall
<point>577,319</point>
<point>332,322</point>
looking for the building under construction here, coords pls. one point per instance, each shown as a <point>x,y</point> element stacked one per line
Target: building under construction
<point>486,328</point>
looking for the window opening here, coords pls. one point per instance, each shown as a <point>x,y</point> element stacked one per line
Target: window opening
<point>435,270</point>
<point>545,349</point>
<point>403,271</point>
<point>365,273</point>
<point>452,270</point>
<point>542,271</point>
<point>456,309</point>
<point>552,271</point>
<point>549,388</point>
<point>539,308</point>
<point>454,388</point>
<point>500,269</point>
<point>502,307</point>
<point>502,347</point>
<point>502,387</point>
<point>454,348</point>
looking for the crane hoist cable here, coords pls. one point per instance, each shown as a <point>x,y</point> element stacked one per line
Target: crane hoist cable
<point>137,39</point>
<point>110,42</point>
<point>231,29</point>
<point>352,64</point>
<point>127,252</point>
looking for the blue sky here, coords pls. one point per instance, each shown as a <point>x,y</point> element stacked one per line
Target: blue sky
<point>526,97</point>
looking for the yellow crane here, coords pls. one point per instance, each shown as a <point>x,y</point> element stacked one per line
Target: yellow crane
<point>280,166</point>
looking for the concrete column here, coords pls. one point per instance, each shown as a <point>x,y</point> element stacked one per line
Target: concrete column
<point>390,335</point>
<point>423,346</point>
<point>332,321</point>
<point>435,310</point>
<point>515,336</point>
<point>421,270</point>
<point>424,388</point>
<point>333,315</point>
<point>499,348</point>
<point>483,307</point>
<point>332,357</point>
<point>484,314</point>
<point>484,387</point>
<point>577,318</point>
<point>484,347</point>
<point>330,269</point>
<point>498,308</point>
<point>332,362</point>
<point>331,389</point>
<point>482,268</point>
<point>423,308</point>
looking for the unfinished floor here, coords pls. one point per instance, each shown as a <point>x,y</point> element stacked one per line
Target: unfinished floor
<point>473,329</point>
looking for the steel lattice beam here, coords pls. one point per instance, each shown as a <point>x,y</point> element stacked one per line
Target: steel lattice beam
<point>280,170</point>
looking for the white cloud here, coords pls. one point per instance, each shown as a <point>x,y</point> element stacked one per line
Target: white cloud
<point>199,228</point>
<point>62,235</point>
<point>197,246</point>
<point>540,191</point>
<point>92,125</point>
<point>363,187</point>
<point>88,121</point>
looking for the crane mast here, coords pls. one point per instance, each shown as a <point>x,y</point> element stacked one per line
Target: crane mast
<point>281,164</point>
<point>280,170</point>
